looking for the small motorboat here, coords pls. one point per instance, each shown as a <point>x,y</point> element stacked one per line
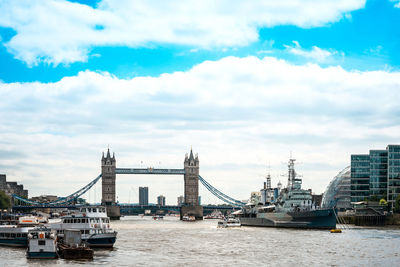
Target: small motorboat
<point>229,222</point>
<point>158,217</point>
<point>187,218</point>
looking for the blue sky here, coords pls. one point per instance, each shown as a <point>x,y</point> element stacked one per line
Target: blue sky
<point>243,83</point>
<point>366,40</point>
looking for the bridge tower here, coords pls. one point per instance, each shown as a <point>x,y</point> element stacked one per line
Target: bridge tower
<point>191,180</point>
<point>108,165</point>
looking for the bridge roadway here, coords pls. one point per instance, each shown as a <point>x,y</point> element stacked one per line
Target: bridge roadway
<point>127,209</point>
<point>149,171</point>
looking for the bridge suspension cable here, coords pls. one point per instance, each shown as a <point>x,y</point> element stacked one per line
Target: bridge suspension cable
<point>220,195</point>
<point>62,200</point>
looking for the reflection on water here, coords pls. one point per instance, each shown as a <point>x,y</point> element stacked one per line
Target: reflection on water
<point>143,241</point>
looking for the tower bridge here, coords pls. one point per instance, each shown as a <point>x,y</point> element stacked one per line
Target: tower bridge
<point>108,174</point>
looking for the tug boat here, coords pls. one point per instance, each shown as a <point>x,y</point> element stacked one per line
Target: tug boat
<point>93,224</point>
<point>42,244</point>
<point>17,235</point>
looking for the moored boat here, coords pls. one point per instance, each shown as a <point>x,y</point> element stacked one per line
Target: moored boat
<point>72,246</point>
<point>17,235</point>
<point>42,244</point>
<point>93,224</point>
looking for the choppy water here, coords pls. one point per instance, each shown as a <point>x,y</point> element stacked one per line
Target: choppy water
<point>143,241</point>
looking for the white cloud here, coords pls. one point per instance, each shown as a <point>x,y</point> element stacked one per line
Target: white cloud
<point>57,31</point>
<point>316,53</point>
<point>397,3</point>
<point>240,114</point>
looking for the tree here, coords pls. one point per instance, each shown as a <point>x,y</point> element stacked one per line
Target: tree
<point>5,202</point>
<point>397,204</point>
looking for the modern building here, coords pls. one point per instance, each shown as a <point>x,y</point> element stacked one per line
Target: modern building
<point>393,173</point>
<point>181,200</point>
<point>143,196</point>
<point>376,175</point>
<point>161,200</point>
<point>11,188</point>
<point>359,177</point>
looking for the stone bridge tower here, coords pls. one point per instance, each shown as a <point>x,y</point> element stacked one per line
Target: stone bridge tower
<point>108,166</point>
<point>191,180</point>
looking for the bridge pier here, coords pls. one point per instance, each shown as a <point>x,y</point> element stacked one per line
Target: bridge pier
<point>192,210</point>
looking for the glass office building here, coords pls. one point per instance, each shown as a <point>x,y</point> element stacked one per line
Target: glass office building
<point>359,186</point>
<point>393,173</point>
<point>143,196</point>
<point>376,175</point>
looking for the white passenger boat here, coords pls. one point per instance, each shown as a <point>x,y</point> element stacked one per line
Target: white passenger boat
<point>229,222</point>
<point>92,222</point>
<point>17,235</point>
<point>42,244</point>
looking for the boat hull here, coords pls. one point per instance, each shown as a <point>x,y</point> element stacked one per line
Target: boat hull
<point>315,219</point>
<point>14,242</point>
<point>42,255</point>
<point>105,240</point>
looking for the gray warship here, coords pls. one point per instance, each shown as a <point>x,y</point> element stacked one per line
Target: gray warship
<point>290,207</point>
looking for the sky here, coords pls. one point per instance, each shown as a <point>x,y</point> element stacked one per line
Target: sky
<point>245,84</point>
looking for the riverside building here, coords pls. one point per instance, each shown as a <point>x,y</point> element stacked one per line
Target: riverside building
<point>143,196</point>
<point>376,175</point>
<point>161,200</point>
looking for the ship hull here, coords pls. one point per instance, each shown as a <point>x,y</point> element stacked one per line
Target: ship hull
<point>315,219</point>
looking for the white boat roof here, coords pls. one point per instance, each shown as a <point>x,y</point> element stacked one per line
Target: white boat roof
<point>237,212</point>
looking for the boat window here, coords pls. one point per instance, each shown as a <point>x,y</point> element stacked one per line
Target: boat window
<point>7,235</point>
<point>74,221</point>
<point>82,232</point>
<point>83,210</point>
<point>41,242</point>
<point>1,234</point>
<point>24,235</point>
<point>78,220</point>
<point>94,210</point>
<point>87,232</point>
<point>13,235</point>
<point>18,235</point>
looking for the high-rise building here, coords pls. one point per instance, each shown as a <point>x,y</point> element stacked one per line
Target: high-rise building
<point>393,173</point>
<point>161,200</point>
<point>181,200</point>
<point>376,175</point>
<point>359,177</point>
<point>143,196</point>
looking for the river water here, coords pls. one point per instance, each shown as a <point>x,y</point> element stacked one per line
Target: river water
<point>170,242</point>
